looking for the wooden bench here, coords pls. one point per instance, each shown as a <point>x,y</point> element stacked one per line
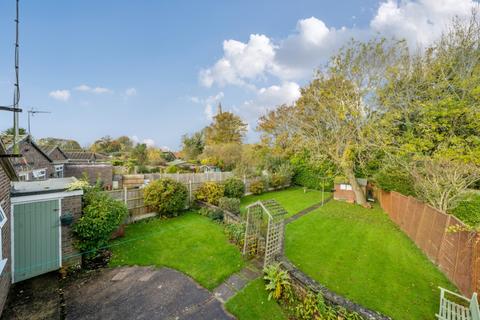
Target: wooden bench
<point>453,310</point>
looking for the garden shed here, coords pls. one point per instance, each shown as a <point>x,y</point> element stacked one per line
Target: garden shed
<point>42,216</point>
<point>343,190</point>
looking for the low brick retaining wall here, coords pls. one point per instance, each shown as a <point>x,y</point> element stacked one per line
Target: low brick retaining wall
<point>303,283</point>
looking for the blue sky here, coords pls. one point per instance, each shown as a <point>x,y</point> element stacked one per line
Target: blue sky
<point>154,70</point>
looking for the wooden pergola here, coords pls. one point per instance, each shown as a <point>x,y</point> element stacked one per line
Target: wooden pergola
<point>265,230</point>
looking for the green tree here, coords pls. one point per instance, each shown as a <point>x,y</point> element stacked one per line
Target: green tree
<point>193,145</point>
<point>335,112</point>
<point>140,154</point>
<point>11,131</point>
<point>225,128</point>
<point>430,124</point>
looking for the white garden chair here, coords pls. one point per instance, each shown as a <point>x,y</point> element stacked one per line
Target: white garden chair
<point>452,308</point>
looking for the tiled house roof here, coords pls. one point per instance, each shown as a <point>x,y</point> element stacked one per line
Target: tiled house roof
<point>6,164</point>
<point>84,156</point>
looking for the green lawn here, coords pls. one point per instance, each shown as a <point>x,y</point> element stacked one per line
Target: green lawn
<point>360,254</point>
<point>292,199</point>
<point>252,304</point>
<point>190,243</point>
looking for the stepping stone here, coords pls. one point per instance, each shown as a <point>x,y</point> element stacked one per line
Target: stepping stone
<point>250,274</point>
<point>237,282</point>
<point>223,292</point>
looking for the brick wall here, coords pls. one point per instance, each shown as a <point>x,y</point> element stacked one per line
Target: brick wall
<point>70,255</point>
<point>94,171</point>
<point>343,195</point>
<point>5,277</point>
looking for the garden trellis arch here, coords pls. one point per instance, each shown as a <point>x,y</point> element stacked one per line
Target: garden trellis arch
<point>265,230</point>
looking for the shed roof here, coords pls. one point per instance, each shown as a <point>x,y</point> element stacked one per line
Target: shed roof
<point>6,164</point>
<point>21,188</point>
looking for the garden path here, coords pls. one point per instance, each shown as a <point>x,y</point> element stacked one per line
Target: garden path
<point>307,210</point>
<point>238,281</point>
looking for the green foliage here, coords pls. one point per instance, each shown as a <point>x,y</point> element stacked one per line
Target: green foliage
<point>143,169</point>
<point>468,209</point>
<point>278,181</point>
<point>139,153</point>
<point>102,215</point>
<point>225,128</point>
<point>210,192</point>
<point>257,187</point>
<point>312,174</point>
<point>394,179</point>
<point>236,233</point>
<point>277,282</point>
<point>192,146</point>
<point>172,169</point>
<point>229,204</point>
<point>117,162</point>
<point>216,214</point>
<point>234,188</point>
<point>166,196</point>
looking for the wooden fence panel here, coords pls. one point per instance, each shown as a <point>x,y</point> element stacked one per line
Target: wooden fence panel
<point>456,253</point>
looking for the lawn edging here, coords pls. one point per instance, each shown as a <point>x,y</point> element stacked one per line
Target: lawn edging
<point>304,283</point>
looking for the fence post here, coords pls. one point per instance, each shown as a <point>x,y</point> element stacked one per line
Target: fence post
<point>178,176</point>
<point>190,191</point>
<point>474,266</point>
<point>207,176</point>
<point>125,196</point>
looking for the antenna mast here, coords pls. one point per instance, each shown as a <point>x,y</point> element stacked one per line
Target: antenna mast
<point>33,112</point>
<point>16,94</point>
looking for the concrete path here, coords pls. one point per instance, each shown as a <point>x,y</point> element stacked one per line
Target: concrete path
<point>141,293</point>
<point>237,281</point>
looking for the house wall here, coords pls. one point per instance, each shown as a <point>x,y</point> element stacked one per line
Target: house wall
<point>94,171</point>
<point>5,277</point>
<point>34,160</point>
<point>70,255</point>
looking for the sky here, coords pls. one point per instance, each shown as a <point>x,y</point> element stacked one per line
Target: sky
<point>155,70</point>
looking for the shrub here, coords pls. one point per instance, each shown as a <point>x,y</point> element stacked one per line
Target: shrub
<point>229,204</point>
<point>142,169</point>
<point>393,179</point>
<point>166,196</point>
<point>102,215</point>
<point>234,188</point>
<point>236,232</point>
<point>277,282</point>
<point>257,187</point>
<point>210,192</point>
<point>215,214</point>
<point>171,169</point>
<point>468,209</point>
<point>278,181</point>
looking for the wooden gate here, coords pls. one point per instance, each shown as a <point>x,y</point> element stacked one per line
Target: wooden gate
<point>36,239</point>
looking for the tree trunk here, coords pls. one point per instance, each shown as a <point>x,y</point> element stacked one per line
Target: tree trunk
<point>360,197</point>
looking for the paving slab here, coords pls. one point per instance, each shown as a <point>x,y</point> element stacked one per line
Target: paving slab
<point>237,282</point>
<point>224,292</point>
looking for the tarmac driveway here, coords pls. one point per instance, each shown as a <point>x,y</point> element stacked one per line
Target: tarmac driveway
<point>140,293</point>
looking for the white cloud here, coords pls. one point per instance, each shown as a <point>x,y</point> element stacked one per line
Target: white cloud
<point>419,22</point>
<point>209,104</point>
<point>83,87</point>
<point>283,63</point>
<point>148,141</point>
<point>131,92</point>
<point>241,61</point>
<point>61,95</point>
<point>96,90</point>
